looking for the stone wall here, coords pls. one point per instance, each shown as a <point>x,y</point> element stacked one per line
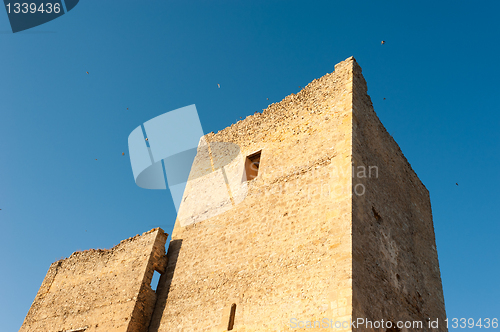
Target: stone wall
<point>335,226</point>
<point>100,290</point>
<point>284,252</point>
<point>395,264</point>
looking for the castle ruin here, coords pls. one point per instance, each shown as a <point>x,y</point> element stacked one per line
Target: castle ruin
<point>321,220</point>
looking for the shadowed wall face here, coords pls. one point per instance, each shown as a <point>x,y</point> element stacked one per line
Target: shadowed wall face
<point>395,264</point>
<point>101,290</point>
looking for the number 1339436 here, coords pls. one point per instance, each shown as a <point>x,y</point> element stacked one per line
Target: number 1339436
<point>463,323</point>
<point>25,8</point>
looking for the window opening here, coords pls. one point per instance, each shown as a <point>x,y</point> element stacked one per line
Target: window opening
<point>155,280</point>
<point>231,317</point>
<point>252,166</point>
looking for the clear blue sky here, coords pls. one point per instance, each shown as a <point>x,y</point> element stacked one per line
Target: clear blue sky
<point>439,72</point>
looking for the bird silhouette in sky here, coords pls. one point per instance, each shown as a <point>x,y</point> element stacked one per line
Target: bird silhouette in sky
<point>382,42</point>
<point>87,73</point>
<point>456,183</point>
<point>218,85</point>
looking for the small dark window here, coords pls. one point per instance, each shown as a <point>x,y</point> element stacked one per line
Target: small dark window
<point>231,317</point>
<point>252,166</point>
<point>376,215</point>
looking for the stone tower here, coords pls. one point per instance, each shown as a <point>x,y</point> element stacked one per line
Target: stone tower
<point>332,226</point>
<point>305,217</point>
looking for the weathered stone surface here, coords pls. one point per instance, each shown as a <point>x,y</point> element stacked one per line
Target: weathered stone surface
<point>100,290</point>
<point>285,251</point>
<point>395,264</point>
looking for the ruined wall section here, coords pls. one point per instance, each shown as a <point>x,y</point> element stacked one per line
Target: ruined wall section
<point>100,290</point>
<point>395,262</point>
<point>146,300</point>
<point>284,252</point>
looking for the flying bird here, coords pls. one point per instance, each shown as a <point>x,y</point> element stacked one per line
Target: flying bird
<point>147,139</point>
<point>127,107</point>
<point>218,85</point>
<point>267,98</point>
<point>87,73</point>
<point>382,42</point>
<point>123,153</point>
<point>456,183</point>
<point>384,98</point>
